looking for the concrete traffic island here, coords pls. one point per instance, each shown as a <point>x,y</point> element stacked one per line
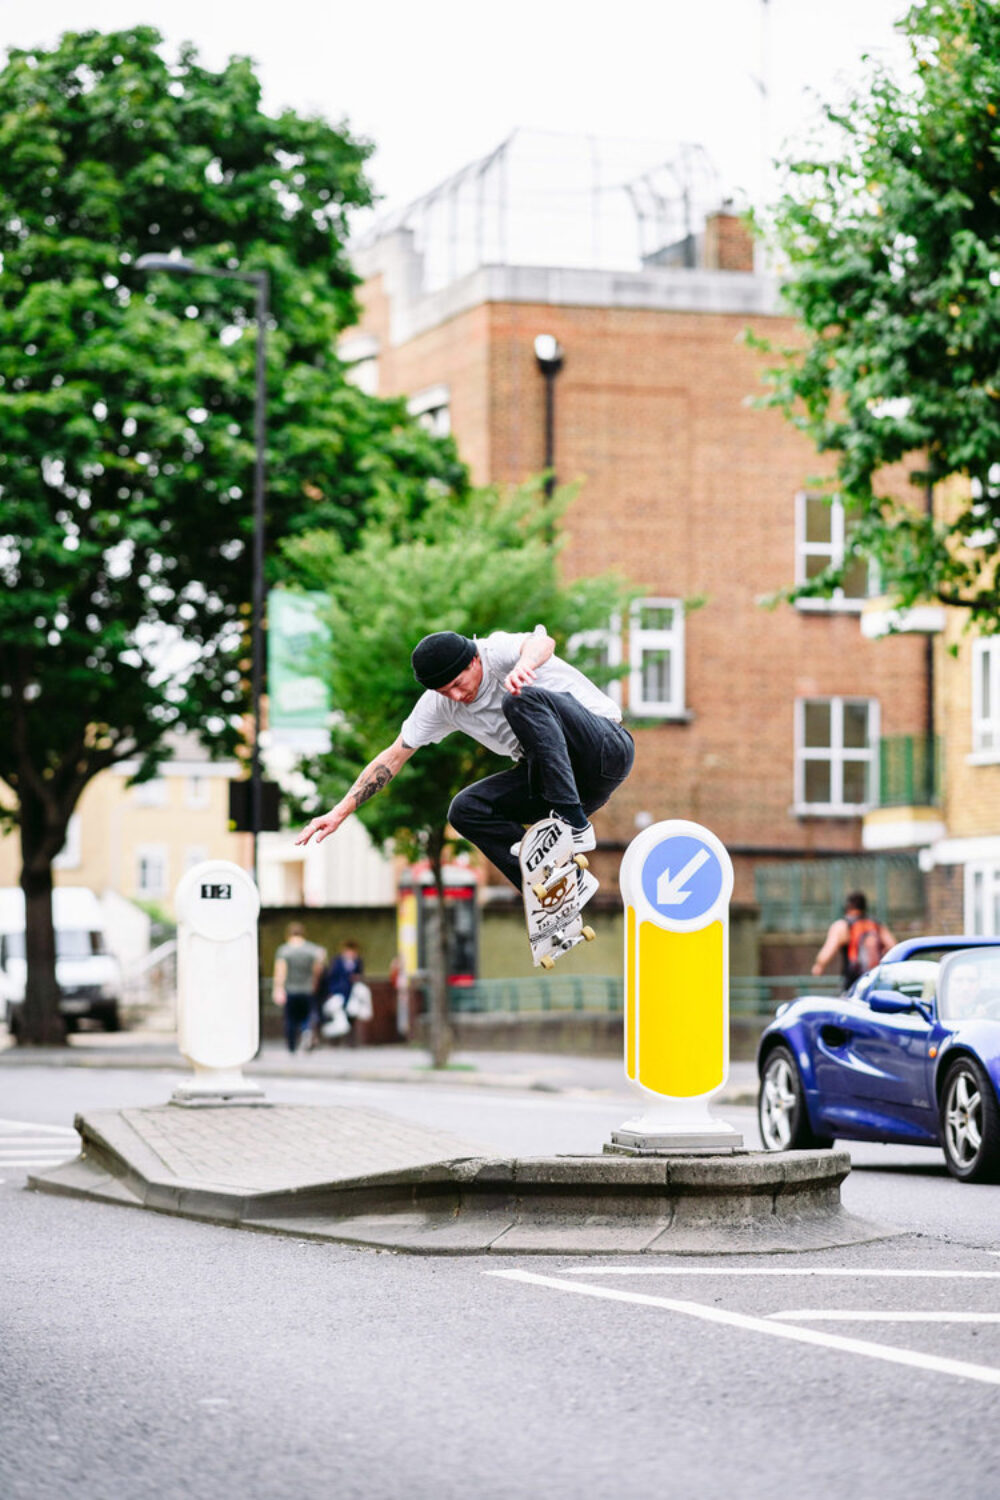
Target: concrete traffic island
<point>364,1178</point>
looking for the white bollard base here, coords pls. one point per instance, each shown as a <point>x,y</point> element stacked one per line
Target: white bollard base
<point>217,1086</point>
<point>672,1126</point>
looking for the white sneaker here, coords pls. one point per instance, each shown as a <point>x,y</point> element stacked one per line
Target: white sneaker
<point>584,838</point>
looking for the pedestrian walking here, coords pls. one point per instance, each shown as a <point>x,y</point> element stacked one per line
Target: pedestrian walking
<point>860,940</point>
<point>298,967</point>
<point>337,983</point>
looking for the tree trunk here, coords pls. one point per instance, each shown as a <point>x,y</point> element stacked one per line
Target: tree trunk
<point>440,1031</point>
<point>41,1023</point>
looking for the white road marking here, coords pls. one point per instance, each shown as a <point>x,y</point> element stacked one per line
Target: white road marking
<point>849,1315</point>
<point>37,1153</point>
<point>24,1146</point>
<point>671,1270</point>
<point>914,1360</point>
<point>23,1163</point>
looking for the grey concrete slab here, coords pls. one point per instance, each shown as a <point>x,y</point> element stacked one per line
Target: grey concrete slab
<point>83,1178</point>
<point>361,1177</point>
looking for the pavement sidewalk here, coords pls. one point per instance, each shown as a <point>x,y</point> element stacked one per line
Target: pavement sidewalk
<point>559,1073</point>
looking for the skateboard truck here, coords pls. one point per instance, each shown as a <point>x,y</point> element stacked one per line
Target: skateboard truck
<point>565,944</point>
<point>555,877</point>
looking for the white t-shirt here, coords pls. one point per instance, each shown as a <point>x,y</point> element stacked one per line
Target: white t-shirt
<point>435,716</point>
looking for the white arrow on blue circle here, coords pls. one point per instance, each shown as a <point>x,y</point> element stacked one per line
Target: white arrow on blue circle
<point>670,888</point>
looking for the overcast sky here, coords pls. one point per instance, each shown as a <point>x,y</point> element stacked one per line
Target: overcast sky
<point>437,83</point>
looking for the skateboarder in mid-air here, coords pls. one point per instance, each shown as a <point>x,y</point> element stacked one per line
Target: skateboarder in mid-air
<point>514,695</point>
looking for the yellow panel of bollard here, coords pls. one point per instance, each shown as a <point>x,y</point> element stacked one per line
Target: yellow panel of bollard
<point>682,1048</point>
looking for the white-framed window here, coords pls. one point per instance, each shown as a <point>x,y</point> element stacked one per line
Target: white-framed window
<point>151,871</point>
<point>432,409</point>
<point>986,697</point>
<point>656,658</point>
<point>70,856</point>
<point>151,793</point>
<point>602,648</point>
<point>821,532</point>
<point>836,755</point>
<point>982,898</point>
<point>196,791</point>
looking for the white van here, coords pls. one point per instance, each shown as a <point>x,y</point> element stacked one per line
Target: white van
<point>89,978</point>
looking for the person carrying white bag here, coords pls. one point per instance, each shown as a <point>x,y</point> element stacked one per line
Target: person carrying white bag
<point>341,979</point>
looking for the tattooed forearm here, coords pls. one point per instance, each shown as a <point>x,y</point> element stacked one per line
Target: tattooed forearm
<point>369,782</point>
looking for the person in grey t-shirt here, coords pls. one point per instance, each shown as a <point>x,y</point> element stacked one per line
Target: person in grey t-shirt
<point>298,965</point>
<point>514,695</point>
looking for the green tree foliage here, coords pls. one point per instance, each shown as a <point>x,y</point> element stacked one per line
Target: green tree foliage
<point>482,564</point>
<point>893,242</point>
<point>126,405</point>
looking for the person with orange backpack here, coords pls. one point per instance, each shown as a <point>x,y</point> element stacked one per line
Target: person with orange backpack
<point>861,940</point>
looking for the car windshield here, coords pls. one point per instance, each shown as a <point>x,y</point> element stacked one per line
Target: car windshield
<point>969,985</point>
<point>77,943</point>
<point>916,978</point>
<point>71,942</point>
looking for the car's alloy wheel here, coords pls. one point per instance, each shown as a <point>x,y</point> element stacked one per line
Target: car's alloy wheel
<point>970,1123</point>
<point>781,1107</point>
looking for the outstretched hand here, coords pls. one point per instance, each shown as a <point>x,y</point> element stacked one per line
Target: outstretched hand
<point>320,828</point>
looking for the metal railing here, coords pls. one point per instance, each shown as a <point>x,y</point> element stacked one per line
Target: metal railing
<point>544,992</point>
<point>603,994</point>
<point>910,770</point>
<point>760,996</point>
<point>805,895</point>
<point>149,989</point>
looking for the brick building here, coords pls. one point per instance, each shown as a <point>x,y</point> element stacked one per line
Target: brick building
<point>764,724</point>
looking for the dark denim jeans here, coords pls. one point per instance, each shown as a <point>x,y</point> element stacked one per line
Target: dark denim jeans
<point>570,755</point>
<point>298,1014</point>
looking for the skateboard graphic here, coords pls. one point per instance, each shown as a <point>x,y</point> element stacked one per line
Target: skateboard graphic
<point>556,885</point>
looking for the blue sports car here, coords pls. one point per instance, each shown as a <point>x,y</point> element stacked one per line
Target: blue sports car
<point>910,1055</point>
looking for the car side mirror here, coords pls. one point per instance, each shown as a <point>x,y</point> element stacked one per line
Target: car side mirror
<point>891,1002</point>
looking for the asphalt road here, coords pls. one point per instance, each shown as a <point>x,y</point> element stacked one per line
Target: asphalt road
<point>144,1356</point>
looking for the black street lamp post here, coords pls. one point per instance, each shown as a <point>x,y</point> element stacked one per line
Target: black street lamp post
<point>549,355</point>
<point>261,281</point>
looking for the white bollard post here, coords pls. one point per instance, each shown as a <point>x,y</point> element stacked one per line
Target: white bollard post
<point>218,1027</point>
<point>676,881</point>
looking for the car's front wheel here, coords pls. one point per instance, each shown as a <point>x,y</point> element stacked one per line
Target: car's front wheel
<point>970,1123</point>
<point>781,1107</point>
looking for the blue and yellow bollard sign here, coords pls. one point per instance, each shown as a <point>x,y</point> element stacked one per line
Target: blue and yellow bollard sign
<point>676,882</point>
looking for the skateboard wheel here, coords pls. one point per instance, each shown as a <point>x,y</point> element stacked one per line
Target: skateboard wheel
<point>589,934</point>
<point>581,861</point>
<point>539,892</point>
<point>548,962</point>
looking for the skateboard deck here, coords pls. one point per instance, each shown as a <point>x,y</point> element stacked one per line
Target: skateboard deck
<point>556,884</point>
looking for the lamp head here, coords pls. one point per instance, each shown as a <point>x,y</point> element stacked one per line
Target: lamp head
<point>549,353</point>
<point>156,262</point>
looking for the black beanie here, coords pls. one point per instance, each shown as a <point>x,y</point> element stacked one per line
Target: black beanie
<point>439,658</point>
